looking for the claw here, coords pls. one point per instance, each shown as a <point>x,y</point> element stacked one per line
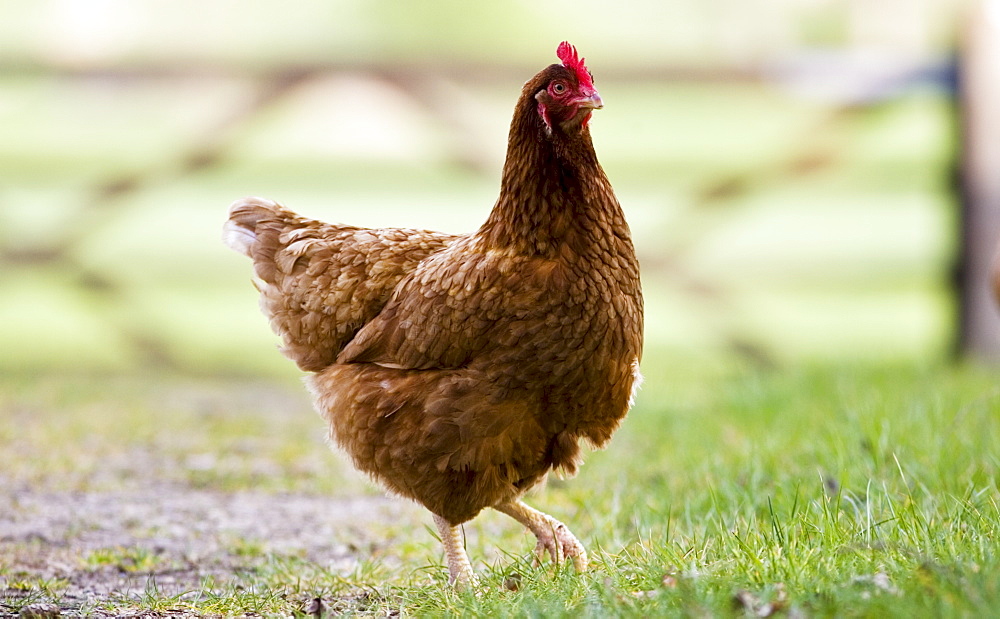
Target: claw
<point>554,538</point>
<point>568,546</point>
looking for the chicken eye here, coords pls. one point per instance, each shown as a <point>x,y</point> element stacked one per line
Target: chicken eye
<point>558,88</point>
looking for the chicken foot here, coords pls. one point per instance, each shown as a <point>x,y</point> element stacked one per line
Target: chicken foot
<point>460,573</point>
<point>553,536</point>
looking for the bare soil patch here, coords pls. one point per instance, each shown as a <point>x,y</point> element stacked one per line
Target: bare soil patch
<point>90,548</point>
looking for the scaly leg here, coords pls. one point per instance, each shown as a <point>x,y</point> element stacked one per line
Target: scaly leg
<point>553,536</point>
<point>459,568</point>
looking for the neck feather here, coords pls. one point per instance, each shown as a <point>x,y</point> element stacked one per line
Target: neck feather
<point>553,192</point>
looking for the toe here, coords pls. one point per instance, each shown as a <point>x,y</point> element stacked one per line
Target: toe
<point>462,580</point>
<point>572,548</point>
<point>579,559</point>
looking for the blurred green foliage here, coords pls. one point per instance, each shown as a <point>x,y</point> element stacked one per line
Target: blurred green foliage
<point>771,224</point>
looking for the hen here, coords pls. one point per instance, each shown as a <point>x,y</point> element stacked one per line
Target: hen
<point>459,370</point>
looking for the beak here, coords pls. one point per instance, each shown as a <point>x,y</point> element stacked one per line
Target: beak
<point>592,102</point>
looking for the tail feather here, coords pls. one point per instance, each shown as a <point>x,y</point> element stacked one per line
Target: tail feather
<point>239,232</point>
<point>238,238</point>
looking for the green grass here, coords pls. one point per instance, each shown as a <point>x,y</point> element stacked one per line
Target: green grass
<point>828,491</point>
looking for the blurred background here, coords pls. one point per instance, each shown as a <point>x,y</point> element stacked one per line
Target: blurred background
<point>787,166</point>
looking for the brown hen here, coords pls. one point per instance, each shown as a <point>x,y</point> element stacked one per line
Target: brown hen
<point>459,370</point>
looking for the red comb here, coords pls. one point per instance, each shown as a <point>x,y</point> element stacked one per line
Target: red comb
<point>571,60</point>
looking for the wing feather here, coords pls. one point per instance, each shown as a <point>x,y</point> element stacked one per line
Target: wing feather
<point>321,283</point>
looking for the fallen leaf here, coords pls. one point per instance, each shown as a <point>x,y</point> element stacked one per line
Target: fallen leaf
<point>512,582</point>
<point>315,607</point>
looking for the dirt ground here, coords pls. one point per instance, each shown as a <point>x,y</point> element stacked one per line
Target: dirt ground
<point>122,495</point>
<point>105,546</point>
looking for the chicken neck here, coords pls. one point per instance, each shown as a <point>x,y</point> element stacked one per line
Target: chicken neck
<point>554,194</point>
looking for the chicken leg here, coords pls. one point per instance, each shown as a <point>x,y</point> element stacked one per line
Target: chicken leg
<point>553,536</point>
<point>459,568</point>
